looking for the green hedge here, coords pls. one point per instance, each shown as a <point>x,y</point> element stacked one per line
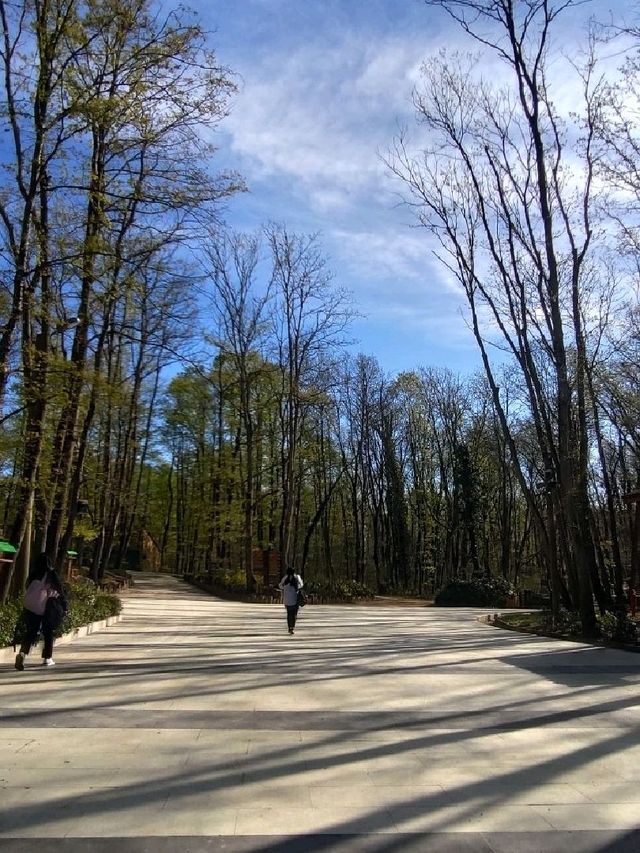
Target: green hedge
<point>618,627</point>
<point>86,604</point>
<point>230,585</point>
<point>9,613</point>
<point>228,581</point>
<point>477,592</point>
<point>344,590</point>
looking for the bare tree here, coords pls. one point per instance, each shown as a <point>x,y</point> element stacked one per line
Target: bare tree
<point>514,218</point>
<point>240,311</point>
<point>310,317</point>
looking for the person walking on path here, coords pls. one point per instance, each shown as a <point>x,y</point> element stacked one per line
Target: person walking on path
<point>290,584</point>
<point>39,613</point>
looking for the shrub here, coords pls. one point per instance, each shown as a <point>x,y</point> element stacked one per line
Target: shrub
<point>612,626</point>
<point>567,621</point>
<point>618,627</point>
<point>343,590</point>
<point>9,613</point>
<point>477,592</point>
<point>86,604</point>
<point>231,580</point>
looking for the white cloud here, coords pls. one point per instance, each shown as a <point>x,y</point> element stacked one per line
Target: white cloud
<point>397,281</point>
<point>330,199</point>
<point>306,130</point>
<point>319,115</point>
<point>390,254</point>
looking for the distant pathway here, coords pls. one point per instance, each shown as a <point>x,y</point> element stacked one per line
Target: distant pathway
<point>198,725</point>
<point>398,601</point>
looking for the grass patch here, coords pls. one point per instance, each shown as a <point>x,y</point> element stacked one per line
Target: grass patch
<point>612,628</point>
<point>526,621</point>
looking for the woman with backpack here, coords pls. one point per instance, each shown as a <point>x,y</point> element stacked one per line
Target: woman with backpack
<point>290,585</point>
<point>44,608</point>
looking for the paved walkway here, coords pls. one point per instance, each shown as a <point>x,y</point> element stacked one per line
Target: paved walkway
<point>201,725</point>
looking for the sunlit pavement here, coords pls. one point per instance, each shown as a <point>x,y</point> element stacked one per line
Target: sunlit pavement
<point>199,725</point>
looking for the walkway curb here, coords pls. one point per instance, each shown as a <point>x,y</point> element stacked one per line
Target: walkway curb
<point>7,654</point>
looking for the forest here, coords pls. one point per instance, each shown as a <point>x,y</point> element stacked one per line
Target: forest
<point>165,379</point>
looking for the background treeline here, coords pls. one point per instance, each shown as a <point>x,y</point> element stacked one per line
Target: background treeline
<point>163,376</point>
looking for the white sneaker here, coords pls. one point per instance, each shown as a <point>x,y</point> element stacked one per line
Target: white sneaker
<point>48,662</point>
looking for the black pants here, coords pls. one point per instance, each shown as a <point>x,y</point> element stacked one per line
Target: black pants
<point>292,613</point>
<point>33,622</point>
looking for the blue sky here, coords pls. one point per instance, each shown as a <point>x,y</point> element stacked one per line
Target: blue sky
<point>324,87</point>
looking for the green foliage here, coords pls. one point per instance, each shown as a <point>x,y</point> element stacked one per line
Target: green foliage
<point>233,580</point>
<point>477,592</point>
<point>534,622</point>
<point>344,590</point>
<point>86,604</point>
<point>85,529</point>
<point>567,622</point>
<point>9,614</point>
<point>618,627</point>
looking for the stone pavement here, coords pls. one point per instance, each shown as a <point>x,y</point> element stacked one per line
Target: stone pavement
<point>200,725</point>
